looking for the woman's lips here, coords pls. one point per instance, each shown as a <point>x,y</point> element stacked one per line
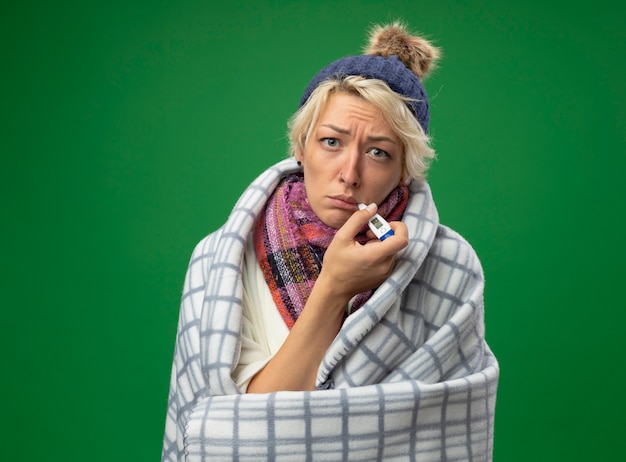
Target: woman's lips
<point>346,203</point>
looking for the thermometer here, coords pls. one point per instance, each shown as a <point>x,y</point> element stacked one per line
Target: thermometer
<point>378,225</point>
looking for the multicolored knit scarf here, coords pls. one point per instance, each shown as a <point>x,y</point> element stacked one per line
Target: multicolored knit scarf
<point>290,242</point>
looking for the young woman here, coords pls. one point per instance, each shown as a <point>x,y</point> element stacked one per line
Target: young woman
<point>304,337</point>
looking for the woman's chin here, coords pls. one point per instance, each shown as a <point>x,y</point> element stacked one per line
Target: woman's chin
<point>336,218</point>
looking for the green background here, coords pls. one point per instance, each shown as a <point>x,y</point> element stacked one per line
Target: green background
<point>130,128</point>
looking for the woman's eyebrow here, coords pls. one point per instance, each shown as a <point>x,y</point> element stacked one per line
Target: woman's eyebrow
<point>381,138</point>
<point>337,129</point>
<point>347,132</point>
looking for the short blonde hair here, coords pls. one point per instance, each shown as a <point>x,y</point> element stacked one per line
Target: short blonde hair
<point>416,143</point>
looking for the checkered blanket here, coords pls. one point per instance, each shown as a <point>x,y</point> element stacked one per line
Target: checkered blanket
<point>408,377</point>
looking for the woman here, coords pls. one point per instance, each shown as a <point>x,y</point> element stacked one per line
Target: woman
<point>301,335</point>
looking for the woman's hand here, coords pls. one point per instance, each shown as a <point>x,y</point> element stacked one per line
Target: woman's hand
<point>350,267</point>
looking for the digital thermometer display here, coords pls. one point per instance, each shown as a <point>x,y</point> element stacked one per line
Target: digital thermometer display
<point>378,225</point>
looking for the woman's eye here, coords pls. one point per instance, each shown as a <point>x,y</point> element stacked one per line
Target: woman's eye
<point>378,153</point>
<point>331,142</point>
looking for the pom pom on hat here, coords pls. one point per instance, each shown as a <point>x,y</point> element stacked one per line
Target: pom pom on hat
<point>417,54</point>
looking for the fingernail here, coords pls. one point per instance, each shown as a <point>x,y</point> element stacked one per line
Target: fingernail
<point>371,207</point>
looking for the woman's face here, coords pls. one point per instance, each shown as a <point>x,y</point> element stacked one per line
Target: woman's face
<point>352,156</point>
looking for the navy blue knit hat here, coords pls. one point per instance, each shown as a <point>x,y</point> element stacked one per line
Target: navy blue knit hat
<point>391,50</point>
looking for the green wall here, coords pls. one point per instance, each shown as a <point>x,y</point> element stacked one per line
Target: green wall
<point>130,128</point>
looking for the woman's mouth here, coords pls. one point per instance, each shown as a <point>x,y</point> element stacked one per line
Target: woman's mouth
<point>343,202</point>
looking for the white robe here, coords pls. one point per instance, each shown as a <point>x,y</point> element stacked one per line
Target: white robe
<point>263,330</point>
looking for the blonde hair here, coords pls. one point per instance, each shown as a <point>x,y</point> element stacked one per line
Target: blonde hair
<point>416,144</point>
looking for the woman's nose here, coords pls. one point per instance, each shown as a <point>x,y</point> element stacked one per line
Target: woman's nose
<point>350,171</point>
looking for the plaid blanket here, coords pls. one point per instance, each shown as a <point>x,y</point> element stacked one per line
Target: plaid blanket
<point>408,377</point>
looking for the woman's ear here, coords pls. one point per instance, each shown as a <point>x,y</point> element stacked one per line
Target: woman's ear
<point>298,156</point>
<point>405,179</point>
